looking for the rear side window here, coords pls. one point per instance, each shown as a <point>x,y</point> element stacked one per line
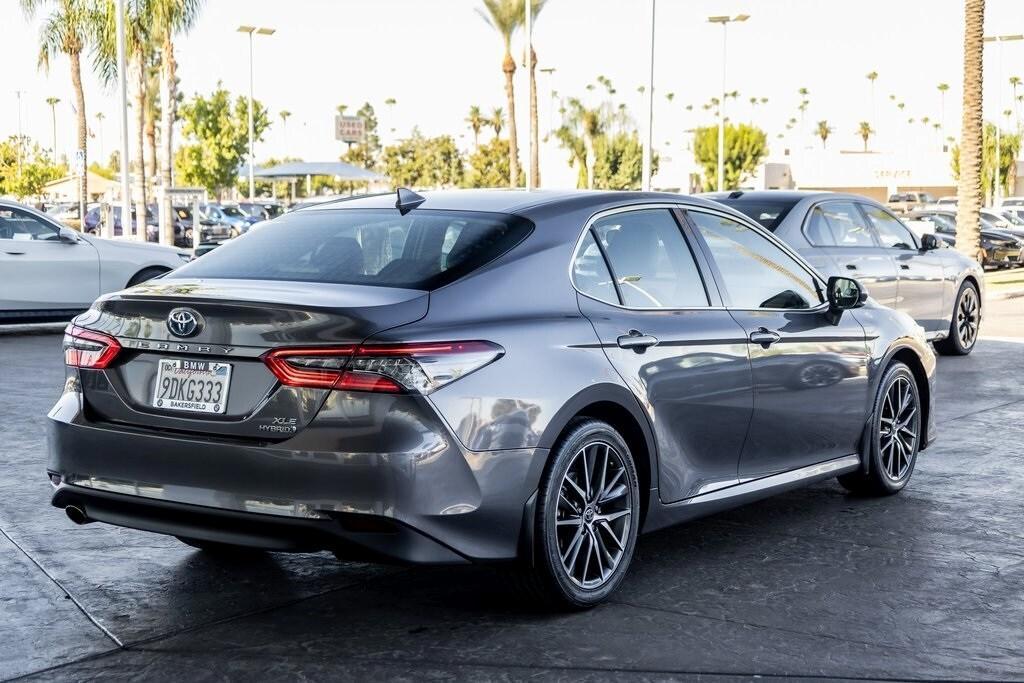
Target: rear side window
<point>837,224</point>
<point>590,272</point>
<point>768,214</point>
<point>651,261</point>
<point>377,247</point>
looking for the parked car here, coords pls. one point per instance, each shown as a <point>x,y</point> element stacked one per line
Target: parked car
<point>1003,249</point>
<point>261,211</point>
<point>844,234</point>
<point>52,272</point>
<point>229,217</point>
<point>949,201</point>
<point>483,376</point>
<point>94,220</point>
<point>1004,220</point>
<point>905,202</point>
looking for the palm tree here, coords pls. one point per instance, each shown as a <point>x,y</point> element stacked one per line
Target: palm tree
<point>864,131</point>
<point>579,132</point>
<point>942,88</point>
<point>1014,82</point>
<point>804,101</point>
<point>497,121</point>
<point>70,27</point>
<point>169,18</point>
<point>53,102</point>
<point>535,7</point>
<point>99,125</point>
<point>505,16</point>
<point>139,48</point>
<point>284,114</point>
<point>390,104</point>
<point>476,122</point>
<point>823,131</point>
<point>872,76</point>
<point>969,190</point>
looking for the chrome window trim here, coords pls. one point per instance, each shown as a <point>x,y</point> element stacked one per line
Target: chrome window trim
<point>871,229</point>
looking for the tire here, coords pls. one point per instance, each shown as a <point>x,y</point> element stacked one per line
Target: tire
<point>964,324</point>
<point>891,456</point>
<point>212,547</point>
<point>145,274</point>
<point>608,523</point>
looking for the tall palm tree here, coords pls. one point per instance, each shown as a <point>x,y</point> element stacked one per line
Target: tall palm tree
<point>969,191</point>
<point>497,122</point>
<point>872,76</point>
<point>942,88</point>
<point>70,27</point>
<point>823,130</point>
<point>284,114</point>
<point>1014,82</point>
<point>139,49</point>
<point>505,16</point>
<point>169,18</point>
<point>99,125</point>
<point>865,132</point>
<point>476,122</point>
<point>579,132</point>
<point>536,6</point>
<point>53,102</point>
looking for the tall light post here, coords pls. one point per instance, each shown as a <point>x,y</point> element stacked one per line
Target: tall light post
<point>724,21</point>
<point>645,178</point>
<point>997,190</point>
<point>122,98</point>
<point>252,158</point>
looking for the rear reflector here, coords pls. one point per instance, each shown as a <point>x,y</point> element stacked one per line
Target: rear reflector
<point>391,368</point>
<point>88,349</point>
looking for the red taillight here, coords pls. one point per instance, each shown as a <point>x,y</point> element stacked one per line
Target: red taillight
<point>417,367</point>
<point>88,349</point>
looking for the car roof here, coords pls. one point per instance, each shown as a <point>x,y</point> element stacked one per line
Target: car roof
<point>509,200</point>
<point>793,196</point>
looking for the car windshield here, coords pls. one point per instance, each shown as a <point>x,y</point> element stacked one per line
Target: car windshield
<point>232,211</point>
<point>421,250</point>
<point>769,214</point>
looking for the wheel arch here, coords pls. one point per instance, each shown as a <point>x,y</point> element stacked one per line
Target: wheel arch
<point>907,355</point>
<point>156,269</point>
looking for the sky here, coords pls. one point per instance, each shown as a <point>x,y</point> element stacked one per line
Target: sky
<point>438,57</point>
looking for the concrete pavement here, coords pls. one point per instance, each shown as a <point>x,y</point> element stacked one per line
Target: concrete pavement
<point>925,585</point>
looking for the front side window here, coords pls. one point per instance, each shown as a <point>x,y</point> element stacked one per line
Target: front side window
<point>891,233</point>
<point>379,247</point>
<point>19,225</point>
<point>756,272</point>
<point>837,224</point>
<point>650,260</point>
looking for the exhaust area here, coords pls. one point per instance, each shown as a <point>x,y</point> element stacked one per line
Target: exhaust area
<point>77,515</point>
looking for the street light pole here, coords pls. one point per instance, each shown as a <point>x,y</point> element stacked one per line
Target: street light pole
<point>645,182</point>
<point>997,189</point>
<point>724,21</point>
<point>252,134</point>
<point>122,91</point>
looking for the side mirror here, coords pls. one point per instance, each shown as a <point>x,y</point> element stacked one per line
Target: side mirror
<point>207,222</point>
<point>929,242</point>
<point>67,236</point>
<point>843,294</point>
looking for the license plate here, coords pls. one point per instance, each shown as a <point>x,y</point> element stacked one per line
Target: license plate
<point>199,386</point>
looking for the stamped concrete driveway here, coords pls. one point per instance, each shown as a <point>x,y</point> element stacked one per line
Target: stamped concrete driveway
<point>925,585</point>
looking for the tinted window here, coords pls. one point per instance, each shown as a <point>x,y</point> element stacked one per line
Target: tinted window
<point>590,272</point>
<point>421,250</point>
<point>650,260</point>
<point>837,224</point>
<point>756,272</point>
<point>16,224</point>
<point>768,214</point>
<point>891,233</point>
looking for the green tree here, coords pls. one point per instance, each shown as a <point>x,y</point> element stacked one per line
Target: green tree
<point>476,123</point>
<point>619,161</point>
<point>37,168</point>
<point>823,130</point>
<point>865,132</point>
<point>745,147</point>
<point>423,163</point>
<point>218,135</point>
<point>1009,150</point>
<point>69,28</point>
<point>488,166</point>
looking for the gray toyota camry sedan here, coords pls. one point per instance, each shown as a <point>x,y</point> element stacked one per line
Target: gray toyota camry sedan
<point>481,376</point>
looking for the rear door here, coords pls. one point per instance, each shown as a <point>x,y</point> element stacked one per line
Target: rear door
<point>810,375</point>
<point>921,289</point>
<point>839,229</point>
<point>38,270</point>
<point>664,330</point>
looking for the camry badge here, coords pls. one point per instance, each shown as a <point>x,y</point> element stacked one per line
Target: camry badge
<point>184,322</point>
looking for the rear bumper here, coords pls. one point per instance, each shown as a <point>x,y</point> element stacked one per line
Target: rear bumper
<point>435,503</point>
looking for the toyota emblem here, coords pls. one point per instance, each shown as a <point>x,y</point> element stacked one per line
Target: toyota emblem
<point>183,322</point>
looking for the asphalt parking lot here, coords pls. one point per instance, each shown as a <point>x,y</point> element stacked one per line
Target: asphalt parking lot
<point>925,585</point>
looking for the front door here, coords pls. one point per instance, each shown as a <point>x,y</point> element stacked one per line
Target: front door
<point>39,271</point>
<point>685,361</point>
<point>810,375</point>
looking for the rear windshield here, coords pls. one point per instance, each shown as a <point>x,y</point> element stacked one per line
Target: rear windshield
<point>421,250</point>
<point>768,214</point>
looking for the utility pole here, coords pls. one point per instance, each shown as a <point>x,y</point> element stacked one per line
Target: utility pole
<point>19,94</point>
<point>645,182</point>
<point>122,92</point>
<point>252,134</point>
<point>724,21</point>
<point>997,189</point>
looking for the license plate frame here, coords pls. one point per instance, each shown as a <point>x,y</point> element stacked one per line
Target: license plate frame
<point>181,393</point>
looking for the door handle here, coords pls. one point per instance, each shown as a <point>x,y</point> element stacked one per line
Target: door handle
<point>636,341</point>
<point>904,266</point>
<point>851,266</point>
<point>764,337</point>
<point>14,253</point>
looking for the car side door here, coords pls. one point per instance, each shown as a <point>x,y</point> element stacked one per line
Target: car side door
<point>839,229</point>
<point>921,289</point>
<point>661,324</point>
<point>810,372</point>
<point>40,271</point>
